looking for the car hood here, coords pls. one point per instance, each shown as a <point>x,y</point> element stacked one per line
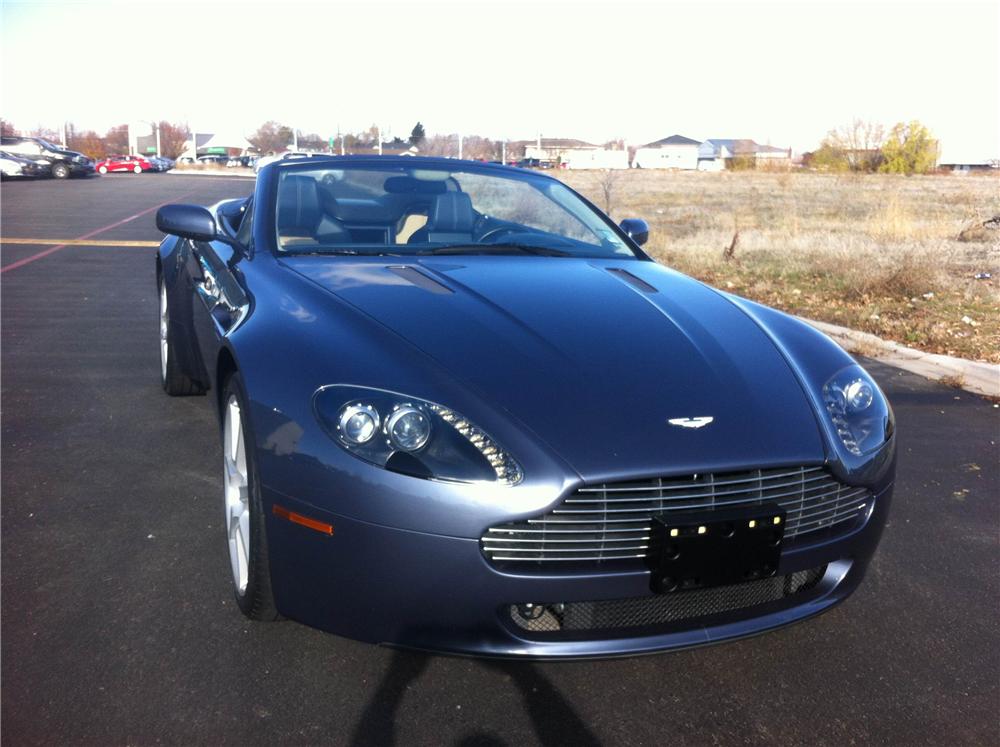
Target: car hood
<point>594,357</point>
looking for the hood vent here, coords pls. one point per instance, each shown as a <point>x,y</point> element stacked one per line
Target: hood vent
<point>632,280</point>
<point>417,278</point>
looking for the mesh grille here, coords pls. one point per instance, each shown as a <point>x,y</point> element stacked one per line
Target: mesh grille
<point>611,522</point>
<point>641,612</point>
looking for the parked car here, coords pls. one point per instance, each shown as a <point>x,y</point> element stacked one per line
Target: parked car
<point>14,166</point>
<point>159,163</point>
<point>64,163</point>
<point>213,160</point>
<point>123,163</point>
<point>185,160</point>
<point>462,410</point>
<point>534,163</point>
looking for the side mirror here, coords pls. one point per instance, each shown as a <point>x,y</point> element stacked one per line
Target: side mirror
<point>187,221</point>
<point>637,230</point>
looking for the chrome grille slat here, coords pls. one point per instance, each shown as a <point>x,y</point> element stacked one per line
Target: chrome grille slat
<point>691,483</point>
<point>712,494</point>
<point>586,558</point>
<point>503,540</point>
<point>612,522</point>
<point>673,507</point>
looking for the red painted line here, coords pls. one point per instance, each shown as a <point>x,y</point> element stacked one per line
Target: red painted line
<point>57,247</point>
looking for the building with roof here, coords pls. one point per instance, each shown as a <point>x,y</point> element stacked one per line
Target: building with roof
<point>570,153</point>
<point>716,154</point>
<point>674,152</point>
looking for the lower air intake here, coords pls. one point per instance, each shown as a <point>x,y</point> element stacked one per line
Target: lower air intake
<point>643,612</point>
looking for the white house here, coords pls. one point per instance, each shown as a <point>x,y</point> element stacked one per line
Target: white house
<point>674,152</point>
<point>715,154</point>
<point>575,154</point>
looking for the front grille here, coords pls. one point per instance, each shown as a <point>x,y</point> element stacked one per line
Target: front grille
<point>643,612</point>
<point>612,522</point>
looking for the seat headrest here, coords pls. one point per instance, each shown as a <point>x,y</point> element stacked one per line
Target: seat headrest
<point>452,213</point>
<point>298,205</point>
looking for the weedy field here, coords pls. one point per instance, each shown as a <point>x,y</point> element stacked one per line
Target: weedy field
<point>877,253</point>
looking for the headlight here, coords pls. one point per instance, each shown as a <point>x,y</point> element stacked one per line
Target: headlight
<point>859,412</point>
<point>412,436</point>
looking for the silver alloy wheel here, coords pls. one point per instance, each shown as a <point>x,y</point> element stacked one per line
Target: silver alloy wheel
<point>237,494</point>
<point>164,328</point>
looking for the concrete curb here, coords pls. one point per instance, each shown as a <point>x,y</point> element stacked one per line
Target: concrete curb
<point>973,376</point>
<point>222,174</point>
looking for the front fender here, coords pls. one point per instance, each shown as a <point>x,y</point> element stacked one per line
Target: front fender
<point>814,358</point>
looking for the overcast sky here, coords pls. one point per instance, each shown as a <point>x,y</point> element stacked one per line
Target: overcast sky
<point>779,73</point>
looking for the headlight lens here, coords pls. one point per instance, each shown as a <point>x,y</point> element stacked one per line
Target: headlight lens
<point>408,428</point>
<point>859,412</point>
<point>358,423</point>
<point>412,436</point>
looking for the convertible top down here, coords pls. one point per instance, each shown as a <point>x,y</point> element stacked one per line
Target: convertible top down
<point>462,410</point>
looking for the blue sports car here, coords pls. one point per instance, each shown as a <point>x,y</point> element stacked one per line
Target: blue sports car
<point>462,410</point>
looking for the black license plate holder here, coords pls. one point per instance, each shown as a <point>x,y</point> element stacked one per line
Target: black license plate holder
<point>698,549</point>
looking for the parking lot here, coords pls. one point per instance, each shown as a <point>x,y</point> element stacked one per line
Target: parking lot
<point>118,624</point>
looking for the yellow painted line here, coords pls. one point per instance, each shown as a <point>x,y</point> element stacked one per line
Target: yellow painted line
<point>76,242</point>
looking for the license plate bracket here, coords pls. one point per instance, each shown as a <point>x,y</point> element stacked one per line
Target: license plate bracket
<point>698,549</point>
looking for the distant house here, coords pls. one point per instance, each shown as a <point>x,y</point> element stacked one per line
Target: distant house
<point>674,152</point>
<point>963,160</point>
<point>715,154</point>
<point>572,154</point>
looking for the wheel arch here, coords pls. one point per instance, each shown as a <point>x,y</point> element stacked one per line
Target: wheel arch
<point>225,366</point>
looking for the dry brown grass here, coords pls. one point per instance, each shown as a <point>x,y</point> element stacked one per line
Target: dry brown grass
<point>876,252</point>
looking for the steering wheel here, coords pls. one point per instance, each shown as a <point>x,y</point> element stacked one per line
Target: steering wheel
<point>499,231</point>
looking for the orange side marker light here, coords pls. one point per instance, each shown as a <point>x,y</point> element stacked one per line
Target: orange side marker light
<point>305,521</point>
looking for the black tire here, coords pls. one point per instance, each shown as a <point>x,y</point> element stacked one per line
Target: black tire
<point>174,380</point>
<point>60,170</point>
<point>257,600</point>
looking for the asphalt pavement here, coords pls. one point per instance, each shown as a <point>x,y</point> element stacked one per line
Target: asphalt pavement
<point>118,624</point>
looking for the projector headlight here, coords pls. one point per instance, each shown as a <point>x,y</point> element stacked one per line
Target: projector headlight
<point>858,410</point>
<point>412,436</point>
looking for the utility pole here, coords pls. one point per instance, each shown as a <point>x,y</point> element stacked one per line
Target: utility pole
<point>295,139</point>
<point>157,126</point>
<point>341,139</point>
<point>378,135</point>
<point>503,152</point>
<point>62,134</point>
<point>460,146</point>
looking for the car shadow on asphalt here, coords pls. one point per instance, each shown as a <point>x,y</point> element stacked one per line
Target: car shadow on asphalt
<point>552,717</point>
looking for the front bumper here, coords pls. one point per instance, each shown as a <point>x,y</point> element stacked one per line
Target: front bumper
<point>412,589</point>
<point>81,169</point>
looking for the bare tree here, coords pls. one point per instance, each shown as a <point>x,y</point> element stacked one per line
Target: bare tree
<point>607,181</point>
<point>853,147</point>
<point>88,142</point>
<point>173,138</point>
<point>116,140</point>
<point>46,133</point>
<point>271,136</point>
<point>7,128</point>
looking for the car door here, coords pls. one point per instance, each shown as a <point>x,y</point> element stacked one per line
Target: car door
<point>219,301</point>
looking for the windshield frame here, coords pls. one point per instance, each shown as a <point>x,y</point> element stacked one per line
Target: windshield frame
<point>266,194</point>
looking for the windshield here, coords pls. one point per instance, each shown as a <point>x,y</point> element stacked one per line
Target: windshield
<point>342,208</point>
<point>49,146</point>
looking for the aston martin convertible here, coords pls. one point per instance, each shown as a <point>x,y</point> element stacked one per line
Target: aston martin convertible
<point>462,410</point>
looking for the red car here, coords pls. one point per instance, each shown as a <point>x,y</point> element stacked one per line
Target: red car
<point>135,164</point>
